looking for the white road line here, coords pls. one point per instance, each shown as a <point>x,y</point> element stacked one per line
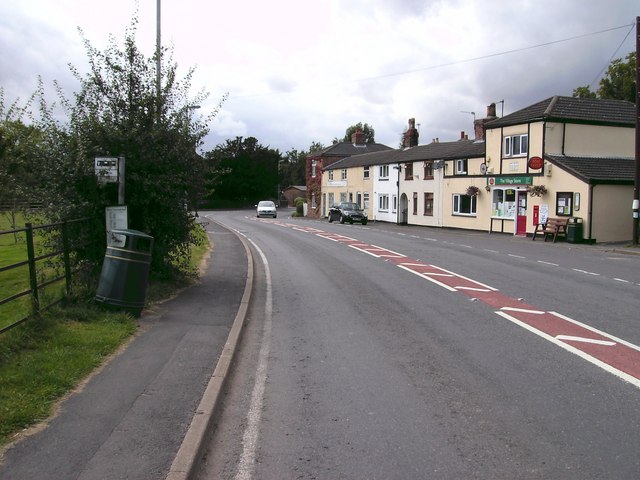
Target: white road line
<point>254,416</point>
<point>515,256</point>
<point>584,271</point>
<point>595,330</point>
<point>572,349</point>
<point>523,310</point>
<point>585,340</point>
<point>491,251</point>
<point>621,280</point>
<point>426,277</point>
<point>548,263</point>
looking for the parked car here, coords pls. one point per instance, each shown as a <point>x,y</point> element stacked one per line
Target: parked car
<point>266,208</point>
<point>347,212</point>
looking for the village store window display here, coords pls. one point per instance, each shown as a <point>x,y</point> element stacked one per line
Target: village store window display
<point>504,203</point>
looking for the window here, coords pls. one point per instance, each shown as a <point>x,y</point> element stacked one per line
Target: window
<point>365,197</point>
<point>383,202</point>
<point>464,204</point>
<point>461,166</point>
<point>516,145</point>
<point>313,168</point>
<point>330,175</point>
<point>343,174</point>
<point>394,202</point>
<point>408,171</point>
<point>359,199</point>
<point>428,169</point>
<point>384,172</point>
<point>331,200</point>
<point>343,197</point>
<point>428,204</point>
<point>564,204</point>
<point>366,172</point>
<point>503,203</point>
<point>415,203</point>
<point>313,200</point>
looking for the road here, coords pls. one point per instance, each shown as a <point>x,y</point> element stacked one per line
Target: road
<point>387,352</point>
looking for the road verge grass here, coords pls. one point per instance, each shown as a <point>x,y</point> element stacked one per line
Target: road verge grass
<point>46,357</point>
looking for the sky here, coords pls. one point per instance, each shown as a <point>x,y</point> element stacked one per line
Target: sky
<point>301,71</point>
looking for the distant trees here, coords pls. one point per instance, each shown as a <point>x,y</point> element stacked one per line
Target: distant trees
<point>618,83</point>
<point>369,133</point>
<point>243,173</point>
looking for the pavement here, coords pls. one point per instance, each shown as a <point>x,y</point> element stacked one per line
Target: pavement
<point>147,412</point>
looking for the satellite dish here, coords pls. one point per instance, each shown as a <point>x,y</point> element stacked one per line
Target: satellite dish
<point>483,168</point>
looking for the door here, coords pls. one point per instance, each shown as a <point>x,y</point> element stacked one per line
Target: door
<point>521,213</point>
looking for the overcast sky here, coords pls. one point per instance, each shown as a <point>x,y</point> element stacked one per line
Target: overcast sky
<point>299,71</point>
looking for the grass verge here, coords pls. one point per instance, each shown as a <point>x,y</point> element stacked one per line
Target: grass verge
<point>46,357</point>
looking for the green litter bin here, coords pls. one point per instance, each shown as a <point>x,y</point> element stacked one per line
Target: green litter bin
<point>574,230</point>
<point>125,271</point>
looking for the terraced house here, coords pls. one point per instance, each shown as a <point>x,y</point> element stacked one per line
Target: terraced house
<point>563,157</point>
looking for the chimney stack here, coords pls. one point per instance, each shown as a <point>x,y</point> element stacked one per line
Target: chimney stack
<point>478,125</point>
<point>411,134</point>
<point>357,138</point>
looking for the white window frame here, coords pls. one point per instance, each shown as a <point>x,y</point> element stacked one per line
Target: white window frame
<point>365,200</point>
<point>460,166</point>
<point>313,168</point>
<point>331,200</point>
<point>383,202</point>
<point>394,203</point>
<point>457,202</point>
<point>384,172</point>
<point>366,172</point>
<point>516,145</point>
<point>343,174</point>
<point>330,175</point>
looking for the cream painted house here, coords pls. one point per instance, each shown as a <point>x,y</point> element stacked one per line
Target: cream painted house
<point>562,157</point>
<point>580,150</point>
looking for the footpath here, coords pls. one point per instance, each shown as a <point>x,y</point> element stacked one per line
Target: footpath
<point>145,414</point>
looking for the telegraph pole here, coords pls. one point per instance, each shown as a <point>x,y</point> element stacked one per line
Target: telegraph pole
<point>158,52</point>
<point>636,182</point>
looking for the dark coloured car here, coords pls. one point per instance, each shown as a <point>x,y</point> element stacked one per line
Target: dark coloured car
<point>348,212</point>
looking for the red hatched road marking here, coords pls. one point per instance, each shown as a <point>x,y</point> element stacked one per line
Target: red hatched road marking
<point>610,353</point>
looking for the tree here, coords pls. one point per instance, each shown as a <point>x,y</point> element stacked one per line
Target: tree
<point>118,112</point>
<point>369,133</point>
<point>618,83</point>
<point>243,172</point>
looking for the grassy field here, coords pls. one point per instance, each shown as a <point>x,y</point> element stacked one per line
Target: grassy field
<point>44,358</point>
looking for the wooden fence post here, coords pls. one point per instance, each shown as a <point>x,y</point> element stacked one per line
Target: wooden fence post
<point>33,278</point>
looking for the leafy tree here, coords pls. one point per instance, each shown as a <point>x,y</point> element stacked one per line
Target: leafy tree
<point>243,172</point>
<point>118,112</point>
<point>618,83</point>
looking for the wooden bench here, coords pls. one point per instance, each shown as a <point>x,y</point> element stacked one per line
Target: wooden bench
<point>553,226</point>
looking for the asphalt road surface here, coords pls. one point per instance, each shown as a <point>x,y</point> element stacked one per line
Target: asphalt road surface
<point>386,352</point>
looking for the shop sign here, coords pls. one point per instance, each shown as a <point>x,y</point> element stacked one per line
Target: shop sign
<point>526,180</point>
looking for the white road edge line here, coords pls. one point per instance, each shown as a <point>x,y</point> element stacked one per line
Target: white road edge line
<point>254,416</point>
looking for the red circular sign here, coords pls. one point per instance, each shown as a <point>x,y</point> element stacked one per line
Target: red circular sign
<point>536,163</point>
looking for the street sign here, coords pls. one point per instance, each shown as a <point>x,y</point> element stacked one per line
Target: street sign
<point>117,219</point>
<point>106,169</point>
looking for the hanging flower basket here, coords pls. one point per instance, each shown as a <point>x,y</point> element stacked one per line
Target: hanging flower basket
<point>537,190</point>
<point>472,190</point>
